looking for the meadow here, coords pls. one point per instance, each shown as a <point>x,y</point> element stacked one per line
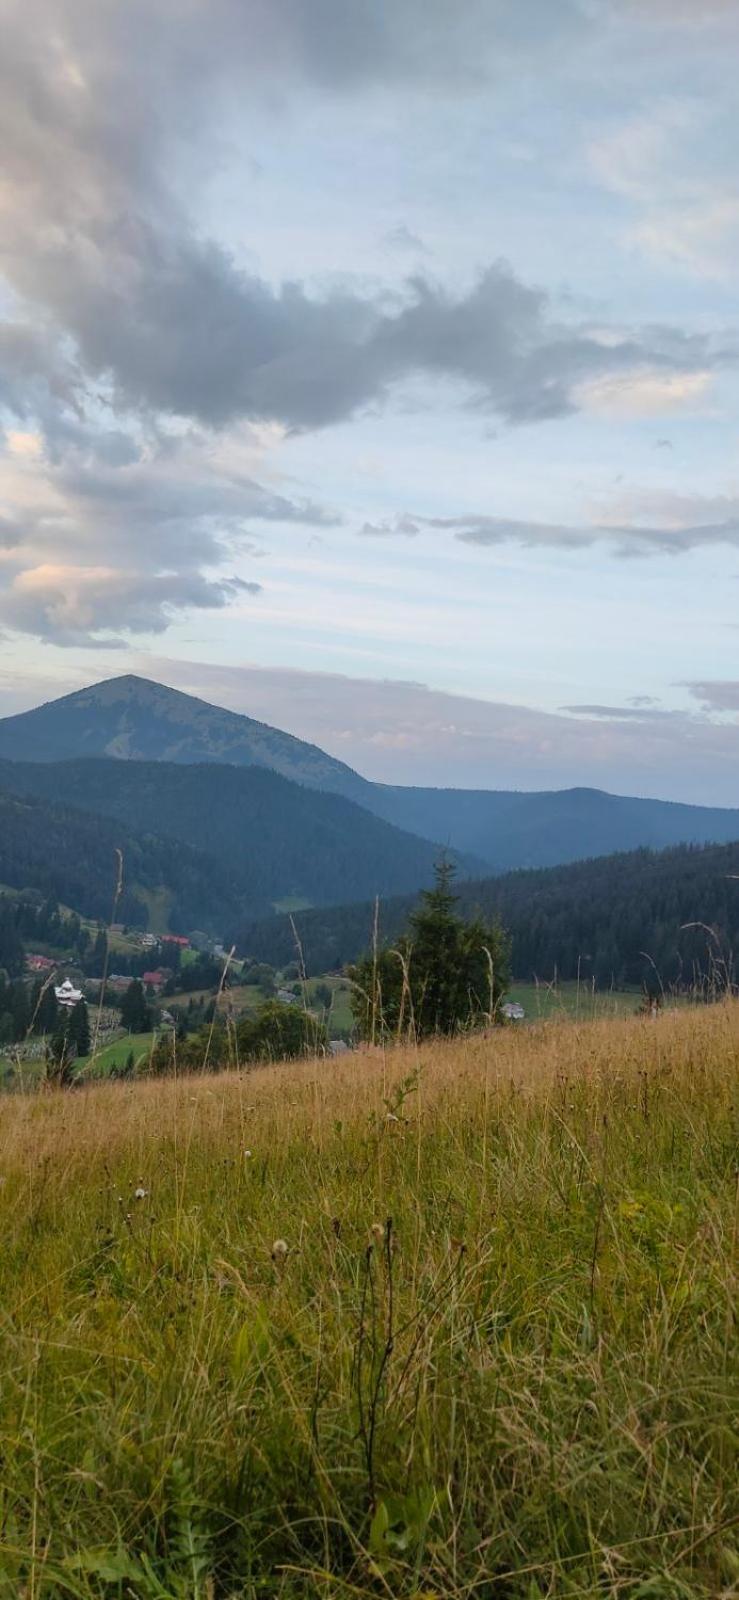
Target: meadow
<point>455,1321</point>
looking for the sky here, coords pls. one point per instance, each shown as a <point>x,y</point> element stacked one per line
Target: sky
<point>372,367</point>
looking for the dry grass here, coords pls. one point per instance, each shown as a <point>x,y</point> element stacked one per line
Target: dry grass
<point>522,1384</point>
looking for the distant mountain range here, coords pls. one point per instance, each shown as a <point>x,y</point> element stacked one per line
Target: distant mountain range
<point>131,719</point>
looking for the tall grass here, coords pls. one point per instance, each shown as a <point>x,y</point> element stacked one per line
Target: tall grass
<point>497,1357</point>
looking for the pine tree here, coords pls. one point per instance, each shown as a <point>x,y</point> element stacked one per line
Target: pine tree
<point>135,1013</point>
<point>444,974</point>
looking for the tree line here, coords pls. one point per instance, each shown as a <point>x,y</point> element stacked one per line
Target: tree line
<point>620,920</point>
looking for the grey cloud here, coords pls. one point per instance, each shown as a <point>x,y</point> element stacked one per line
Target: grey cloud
<point>389,530</point>
<point>629,539</point>
<point>717,694</point>
<point>92,130</point>
<point>168,525</point>
<point>643,711</point>
<point>403,238</point>
<point>93,607</point>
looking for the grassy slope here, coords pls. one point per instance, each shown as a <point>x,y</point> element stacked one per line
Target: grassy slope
<point>553,1413</point>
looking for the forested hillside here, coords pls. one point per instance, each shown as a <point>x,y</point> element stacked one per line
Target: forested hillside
<point>276,838</point>
<point>70,856</point>
<point>620,919</point>
<point>510,829</point>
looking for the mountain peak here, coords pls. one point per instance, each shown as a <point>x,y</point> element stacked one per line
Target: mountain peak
<point>132,718</point>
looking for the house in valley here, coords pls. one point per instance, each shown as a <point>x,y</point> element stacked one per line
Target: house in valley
<point>67,995</point>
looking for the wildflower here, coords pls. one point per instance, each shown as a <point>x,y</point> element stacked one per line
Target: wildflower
<point>247,1155</point>
<point>140,1193</point>
<point>279,1250</point>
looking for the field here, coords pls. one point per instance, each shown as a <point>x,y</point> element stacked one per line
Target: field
<point>544,1001</point>
<point>117,1053</point>
<point>451,1322</point>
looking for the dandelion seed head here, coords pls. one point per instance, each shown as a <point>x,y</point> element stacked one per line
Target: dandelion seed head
<point>140,1193</point>
<point>279,1250</point>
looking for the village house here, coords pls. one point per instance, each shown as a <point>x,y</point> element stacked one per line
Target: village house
<point>67,995</point>
<point>176,939</point>
<point>156,980</point>
<point>39,963</point>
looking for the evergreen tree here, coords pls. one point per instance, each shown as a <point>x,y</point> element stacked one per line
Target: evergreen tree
<point>98,954</point>
<point>11,944</point>
<point>79,1029</point>
<point>135,1013</point>
<point>444,974</point>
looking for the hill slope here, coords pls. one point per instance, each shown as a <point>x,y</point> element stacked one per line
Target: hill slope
<point>70,856</point>
<point>512,829</point>
<point>275,839</point>
<point>619,919</point>
<point>131,718</point>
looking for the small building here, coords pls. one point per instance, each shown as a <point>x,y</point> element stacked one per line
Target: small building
<point>39,963</point>
<point>148,941</point>
<point>177,939</point>
<point>67,995</point>
<point>155,980</point>
<point>338,1047</point>
<point>287,998</point>
<point>513,1012</point>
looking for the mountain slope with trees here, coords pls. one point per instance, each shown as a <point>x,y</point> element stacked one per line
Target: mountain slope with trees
<point>70,855</point>
<point>275,839</point>
<point>133,719</point>
<point>620,920</point>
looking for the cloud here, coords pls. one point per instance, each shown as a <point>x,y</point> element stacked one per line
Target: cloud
<point>641,711</point>
<point>172,523</point>
<point>717,694</point>
<point>680,524</point>
<point>403,238</point>
<point>401,732</point>
<point>94,134</point>
<point>670,164</point>
<point>405,526</point>
<point>90,606</point>
<point>645,394</point>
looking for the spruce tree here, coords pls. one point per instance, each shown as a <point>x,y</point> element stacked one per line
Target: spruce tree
<point>135,1013</point>
<point>443,974</point>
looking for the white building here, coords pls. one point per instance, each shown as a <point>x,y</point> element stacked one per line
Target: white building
<point>66,994</point>
<point>513,1012</point>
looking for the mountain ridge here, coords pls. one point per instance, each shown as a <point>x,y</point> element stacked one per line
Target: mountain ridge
<point>130,718</point>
